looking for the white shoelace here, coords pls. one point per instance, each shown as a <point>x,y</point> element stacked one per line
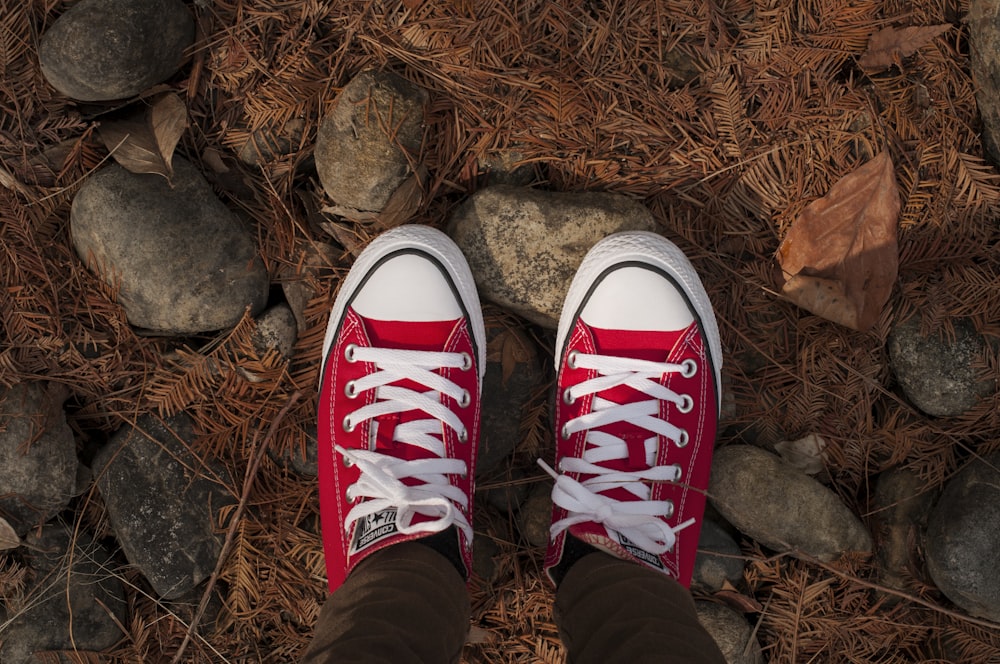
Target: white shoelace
<point>381,475</point>
<point>639,520</point>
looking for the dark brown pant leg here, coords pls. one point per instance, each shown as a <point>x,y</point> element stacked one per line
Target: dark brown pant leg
<point>610,611</point>
<point>406,603</point>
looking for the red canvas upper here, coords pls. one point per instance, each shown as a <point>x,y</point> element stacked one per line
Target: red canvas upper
<point>344,550</point>
<point>695,459</point>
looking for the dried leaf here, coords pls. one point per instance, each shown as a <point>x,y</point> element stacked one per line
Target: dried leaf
<point>806,454</point>
<point>839,258</point>
<point>8,538</point>
<point>890,45</point>
<point>403,203</point>
<point>144,142</point>
<point>739,601</point>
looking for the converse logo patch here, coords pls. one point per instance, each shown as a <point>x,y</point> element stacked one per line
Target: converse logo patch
<point>372,528</point>
<point>640,554</point>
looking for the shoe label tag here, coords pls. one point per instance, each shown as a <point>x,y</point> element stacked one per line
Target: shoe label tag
<point>373,528</point>
<point>639,554</point>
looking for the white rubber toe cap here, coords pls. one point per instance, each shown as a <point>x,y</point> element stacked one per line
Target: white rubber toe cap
<point>407,287</point>
<point>634,298</point>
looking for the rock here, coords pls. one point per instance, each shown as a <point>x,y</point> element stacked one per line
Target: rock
<point>731,633</point>
<point>277,330</point>
<point>718,558</point>
<point>484,553</point>
<point>781,507</point>
<point>535,516</point>
<point>939,376</point>
<point>37,455</point>
<point>900,507</point>
<point>304,461</point>
<point>100,50</point>
<point>984,55</point>
<point>501,168</point>
<point>513,373</point>
<point>963,538</point>
<point>511,494</point>
<point>362,146</point>
<point>524,245</point>
<point>266,144</point>
<point>65,607</point>
<point>162,503</point>
<point>184,262</point>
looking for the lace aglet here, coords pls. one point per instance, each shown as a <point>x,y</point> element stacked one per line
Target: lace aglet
<point>548,469</point>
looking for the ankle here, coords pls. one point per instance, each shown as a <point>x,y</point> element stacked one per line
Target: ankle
<point>573,551</point>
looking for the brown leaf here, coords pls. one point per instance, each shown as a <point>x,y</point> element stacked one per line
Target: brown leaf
<point>739,601</point>
<point>144,142</point>
<point>404,202</point>
<point>8,538</point>
<point>889,45</point>
<point>839,259</point>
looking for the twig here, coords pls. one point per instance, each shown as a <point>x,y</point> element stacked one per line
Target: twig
<point>898,593</point>
<point>231,531</point>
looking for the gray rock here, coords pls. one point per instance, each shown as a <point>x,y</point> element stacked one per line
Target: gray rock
<point>362,146</point>
<point>62,599</point>
<point>513,373</point>
<point>900,507</point>
<point>484,553</point>
<point>984,55</point>
<point>963,538</point>
<point>501,168</point>
<point>267,144</point>
<point>937,375</point>
<point>718,558</point>
<point>163,502</point>
<point>731,633</point>
<point>511,492</point>
<point>184,262</point>
<point>304,461</point>
<point>535,516</point>
<point>37,455</point>
<point>781,507</point>
<point>109,49</point>
<point>524,245</point>
<point>276,329</point>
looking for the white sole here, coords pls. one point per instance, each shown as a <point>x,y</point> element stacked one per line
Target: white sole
<point>651,249</point>
<point>437,245</point>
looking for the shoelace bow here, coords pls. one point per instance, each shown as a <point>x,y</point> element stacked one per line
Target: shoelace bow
<point>381,480</point>
<point>639,520</point>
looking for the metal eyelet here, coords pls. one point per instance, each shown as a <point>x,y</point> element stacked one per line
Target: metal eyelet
<point>347,424</point>
<point>670,509</point>
<point>350,496</point>
<point>463,435</point>
<point>686,404</point>
<point>564,432</point>
<point>568,397</point>
<point>465,400</point>
<point>350,389</point>
<point>571,359</point>
<point>347,462</point>
<point>466,362</point>
<point>349,352</point>
<point>690,368</point>
<point>680,472</point>
<point>683,439</point>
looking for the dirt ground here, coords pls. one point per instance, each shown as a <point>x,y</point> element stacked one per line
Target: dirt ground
<point>725,117</point>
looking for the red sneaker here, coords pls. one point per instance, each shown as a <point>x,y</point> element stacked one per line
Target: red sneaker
<point>639,360</point>
<point>398,409</point>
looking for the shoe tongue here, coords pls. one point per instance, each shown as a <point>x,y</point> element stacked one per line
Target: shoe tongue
<point>407,335</point>
<point>652,345</point>
<point>411,335</point>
